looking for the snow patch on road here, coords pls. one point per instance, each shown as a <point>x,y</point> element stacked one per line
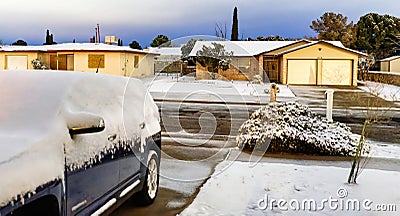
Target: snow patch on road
<point>183,176</point>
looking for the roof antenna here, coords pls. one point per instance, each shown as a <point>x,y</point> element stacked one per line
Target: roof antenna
<point>98,34</point>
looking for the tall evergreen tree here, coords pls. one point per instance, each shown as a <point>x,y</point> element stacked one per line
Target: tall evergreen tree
<point>135,45</point>
<point>20,43</point>
<point>374,34</point>
<point>161,41</point>
<point>235,26</point>
<point>334,27</point>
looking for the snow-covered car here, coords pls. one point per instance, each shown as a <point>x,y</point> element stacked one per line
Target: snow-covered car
<point>75,143</point>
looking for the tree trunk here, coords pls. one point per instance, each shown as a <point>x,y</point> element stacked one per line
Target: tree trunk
<point>355,167</point>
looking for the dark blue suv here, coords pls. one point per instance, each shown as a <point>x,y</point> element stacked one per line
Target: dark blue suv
<point>76,143</point>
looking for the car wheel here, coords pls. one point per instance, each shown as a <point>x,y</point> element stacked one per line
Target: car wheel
<point>150,188</point>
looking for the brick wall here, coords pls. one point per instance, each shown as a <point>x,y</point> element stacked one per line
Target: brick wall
<point>233,73</point>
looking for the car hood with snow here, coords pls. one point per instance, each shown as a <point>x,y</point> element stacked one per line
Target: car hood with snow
<point>38,109</point>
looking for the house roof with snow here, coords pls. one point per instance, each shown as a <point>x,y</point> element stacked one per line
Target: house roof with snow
<point>22,49</point>
<point>173,51</point>
<point>337,44</point>
<point>243,48</point>
<point>73,47</point>
<point>390,58</point>
<point>167,54</point>
<point>253,48</point>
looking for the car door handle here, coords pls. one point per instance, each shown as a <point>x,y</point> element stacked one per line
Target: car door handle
<point>112,137</point>
<point>142,125</point>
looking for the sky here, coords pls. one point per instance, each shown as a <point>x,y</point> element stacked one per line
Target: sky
<point>143,20</point>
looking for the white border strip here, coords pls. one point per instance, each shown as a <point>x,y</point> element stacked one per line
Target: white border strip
<point>76,207</point>
<point>128,189</point>
<point>104,207</point>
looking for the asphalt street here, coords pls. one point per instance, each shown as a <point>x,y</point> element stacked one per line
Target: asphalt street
<point>198,135</point>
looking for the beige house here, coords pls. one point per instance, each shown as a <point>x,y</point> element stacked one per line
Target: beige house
<point>391,64</point>
<point>288,62</point>
<point>19,57</point>
<point>83,57</point>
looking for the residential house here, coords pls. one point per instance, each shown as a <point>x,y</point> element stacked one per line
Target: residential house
<point>168,59</point>
<point>83,57</point>
<point>288,62</point>
<point>391,64</point>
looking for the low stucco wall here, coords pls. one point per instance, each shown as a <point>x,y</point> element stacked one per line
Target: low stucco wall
<point>384,77</point>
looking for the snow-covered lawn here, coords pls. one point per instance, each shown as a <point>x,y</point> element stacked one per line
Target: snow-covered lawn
<point>384,150</point>
<point>236,188</point>
<point>384,91</point>
<point>196,89</point>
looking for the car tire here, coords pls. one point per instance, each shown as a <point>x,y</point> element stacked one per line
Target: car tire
<point>151,182</point>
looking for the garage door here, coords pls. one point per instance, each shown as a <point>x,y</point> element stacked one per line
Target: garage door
<point>17,62</point>
<point>303,72</point>
<point>337,72</point>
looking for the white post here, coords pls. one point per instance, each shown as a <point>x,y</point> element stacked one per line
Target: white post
<point>329,104</point>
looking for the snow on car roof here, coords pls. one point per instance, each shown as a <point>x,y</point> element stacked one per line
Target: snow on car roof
<point>36,108</point>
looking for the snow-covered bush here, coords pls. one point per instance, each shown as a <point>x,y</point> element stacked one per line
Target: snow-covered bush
<point>38,65</point>
<point>257,79</point>
<point>294,128</point>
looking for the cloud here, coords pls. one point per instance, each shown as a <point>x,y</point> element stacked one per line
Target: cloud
<point>77,18</point>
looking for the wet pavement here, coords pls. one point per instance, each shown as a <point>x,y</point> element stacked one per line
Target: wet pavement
<point>182,173</point>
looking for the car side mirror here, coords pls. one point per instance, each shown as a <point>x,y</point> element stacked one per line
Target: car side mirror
<point>83,123</point>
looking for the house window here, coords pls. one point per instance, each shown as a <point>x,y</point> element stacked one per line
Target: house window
<point>96,61</point>
<point>244,65</point>
<point>136,61</point>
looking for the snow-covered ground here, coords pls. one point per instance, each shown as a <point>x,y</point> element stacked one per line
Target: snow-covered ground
<point>384,150</point>
<point>213,90</point>
<point>384,91</point>
<point>236,188</point>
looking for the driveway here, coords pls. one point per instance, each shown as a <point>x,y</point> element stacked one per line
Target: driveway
<point>182,173</point>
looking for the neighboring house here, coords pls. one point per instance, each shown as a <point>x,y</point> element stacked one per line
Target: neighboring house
<point>391,64</point>
<point>288,62</point>
<point>168,59</point>
<point>20,57</point>
<point>83,57</point>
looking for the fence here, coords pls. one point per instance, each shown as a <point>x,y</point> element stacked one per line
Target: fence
<point>182,68</point>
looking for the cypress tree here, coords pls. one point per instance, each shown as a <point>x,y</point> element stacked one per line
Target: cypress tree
<point>235,26</point>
